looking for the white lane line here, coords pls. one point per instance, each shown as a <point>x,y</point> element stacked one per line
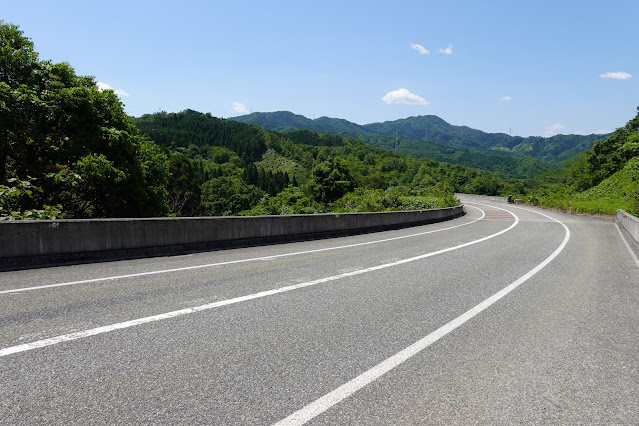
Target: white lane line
<point>210,265</point>
<point>623,238</point>
<point>332,398</point>
<point>118,326</point>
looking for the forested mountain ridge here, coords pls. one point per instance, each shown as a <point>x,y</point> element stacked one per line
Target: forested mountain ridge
<point>282,121</point>
<point>322,167</point>
<point>502,163</point>
<point>425,136</point>
<point>201,130</point>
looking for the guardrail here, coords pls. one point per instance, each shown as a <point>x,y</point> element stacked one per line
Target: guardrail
<point>629,222</point>
<point>44,242</point>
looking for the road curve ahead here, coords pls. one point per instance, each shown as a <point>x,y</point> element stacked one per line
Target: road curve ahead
<point>509,314</point>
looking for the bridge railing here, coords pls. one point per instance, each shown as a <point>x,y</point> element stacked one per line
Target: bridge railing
<point>630,223</point>
<point>29,243</point>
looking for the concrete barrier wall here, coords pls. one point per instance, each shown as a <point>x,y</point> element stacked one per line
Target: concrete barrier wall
<point>629,222</point>
<point>20,239</point>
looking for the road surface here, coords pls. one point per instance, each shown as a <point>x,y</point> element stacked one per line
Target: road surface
<point>509,314</point>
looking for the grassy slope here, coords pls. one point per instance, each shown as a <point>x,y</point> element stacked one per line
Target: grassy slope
<point>275,162</point>
<point>619,191</point>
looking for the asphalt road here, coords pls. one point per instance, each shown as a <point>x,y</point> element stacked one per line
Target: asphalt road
<point>506,315</point>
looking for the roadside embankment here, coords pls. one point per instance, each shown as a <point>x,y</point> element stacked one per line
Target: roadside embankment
<point>50,242</point>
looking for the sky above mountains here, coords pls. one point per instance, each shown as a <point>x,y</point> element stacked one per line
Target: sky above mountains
<point>525,68</point>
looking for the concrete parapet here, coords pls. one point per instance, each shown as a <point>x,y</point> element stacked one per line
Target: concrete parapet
<point>630,222</point>
<point>59,241</point>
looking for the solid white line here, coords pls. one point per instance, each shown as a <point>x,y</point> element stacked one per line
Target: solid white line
<point>322,404</point>
<point>623,238</point>
<point>210,265</point>
<point>118,326</point>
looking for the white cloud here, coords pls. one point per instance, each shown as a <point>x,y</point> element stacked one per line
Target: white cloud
<point>103,86</point>
<point>403,96</point>
<point>506,99</point>
<point>448,50</point>
<point>240,108</point>
<point>620,75</point>
<point>553,130</point>
<point>420,49</point>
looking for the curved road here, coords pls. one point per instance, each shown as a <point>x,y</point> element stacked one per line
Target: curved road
<point>507,315</point>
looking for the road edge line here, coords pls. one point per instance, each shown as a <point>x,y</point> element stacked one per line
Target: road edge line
<point>153,318</point>
<point>332,398</point>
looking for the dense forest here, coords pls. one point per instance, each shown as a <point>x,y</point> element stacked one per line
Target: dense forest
<point>68,150</point>
<point>431,137</point>
<point>302,171</point>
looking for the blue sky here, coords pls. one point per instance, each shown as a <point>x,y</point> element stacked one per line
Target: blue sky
<point>526,67</point>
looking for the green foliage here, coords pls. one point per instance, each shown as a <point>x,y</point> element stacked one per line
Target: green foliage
<point>183,188</point>
<point>431,137</point>
<point>17,56</point>
<point>291,200</point>
<point>226,195</point>
<point>73,138</point>
<point>606,157</point>
<point>603,179</point>
<point>272,160</point>
<point>19,194</point>
<point>330,180</point>
<point>619,191</point>
<point>204,131</point>
<point>298,177</point>
<point>267,180</point>
<point>98,181</point>
<point>308,137</point>
<point>395,199</point>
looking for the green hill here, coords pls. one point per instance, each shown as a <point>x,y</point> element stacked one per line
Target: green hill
<point>287,121</point>
<point>431,137</point>
<point>302,171</point>
<point>622,188</point>
<point>401,136</point>
<point>431,128</point>
<point>603,179</point>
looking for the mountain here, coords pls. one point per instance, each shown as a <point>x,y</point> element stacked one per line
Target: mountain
<point>431,128</point>
<point>432,137</point>
<point>218,166</point>
<point>285,121</point>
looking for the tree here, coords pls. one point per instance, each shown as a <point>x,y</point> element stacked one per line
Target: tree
<point>183,197</point>
<point>228,195</point>
<point>330,180</point>
<point>73,138</point>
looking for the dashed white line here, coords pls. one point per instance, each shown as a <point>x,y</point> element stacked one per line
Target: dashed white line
<point>127,324</point>
<point>327,401</point>
<point>210,265</point>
